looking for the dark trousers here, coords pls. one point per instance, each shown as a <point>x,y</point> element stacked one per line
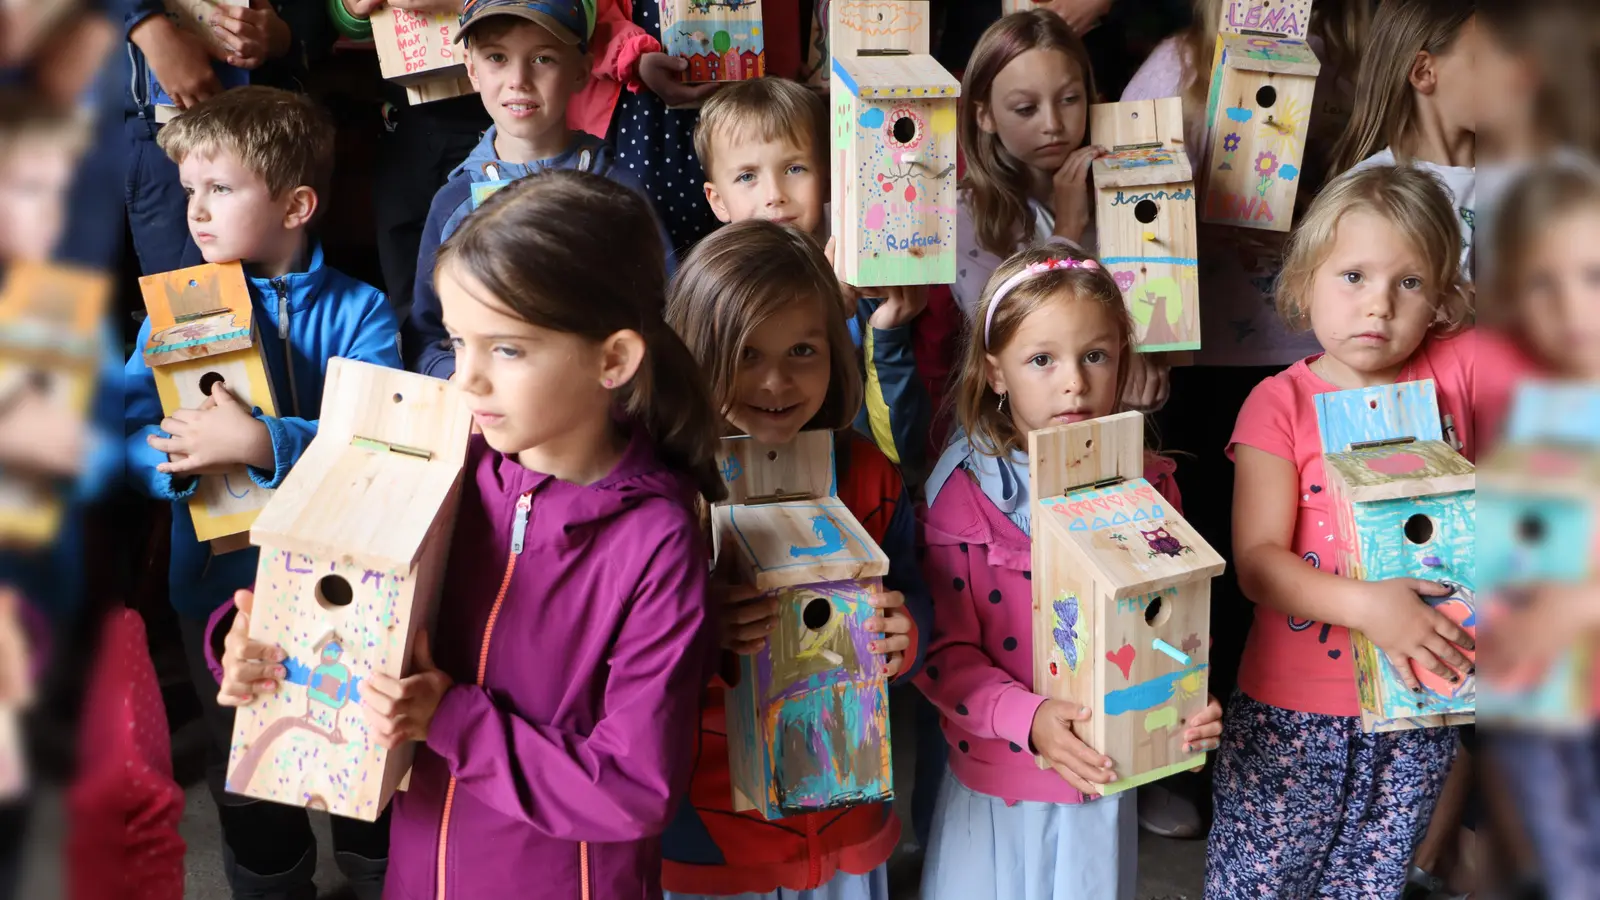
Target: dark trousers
<point>157,209</point>
<point>269,851</point>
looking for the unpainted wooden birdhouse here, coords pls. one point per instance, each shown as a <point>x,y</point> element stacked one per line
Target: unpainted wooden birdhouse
<point>1121,597</point>
<point>1145,216</point>
<point>418,50</point>
<point>1263,81</point>
<point>203,331</point>
<point>722,40</point>
<point>868,26</point>
<point>893,169</point>
<point>1538,522</point>
<point>808,721</point>
<point>50,343</point>
<point>1403,505</point>
<point>353,547</point>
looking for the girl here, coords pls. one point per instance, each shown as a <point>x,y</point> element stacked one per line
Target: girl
<point>760,309</point>
<point>1374,269</point>
<point>1050,345</point>
<point>554,702</point>
<point>1416,99</point>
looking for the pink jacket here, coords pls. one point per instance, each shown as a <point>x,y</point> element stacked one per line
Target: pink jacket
<point>616,45</point>
<point>979,669</point>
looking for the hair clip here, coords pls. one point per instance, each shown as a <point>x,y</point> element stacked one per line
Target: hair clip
<point>1030,271</point>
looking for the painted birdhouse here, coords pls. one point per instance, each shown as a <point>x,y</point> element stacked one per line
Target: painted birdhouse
<point>202,331</point>
<point>418,50</point>
<point>50,342</point>
<point>722,39</point>
<point>1121,597</point>
<point>808,722</point>
<point>894,169</point>
<point>1403,504</point>
<point>1538,505</point>
<point>1259,107</point>
<point>353,547</point>
<point>1145,213</point>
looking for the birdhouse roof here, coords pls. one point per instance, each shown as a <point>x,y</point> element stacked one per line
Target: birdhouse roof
<point>1263,53</point>
<point>1398,470</point>
<point>913,76</point>
<point>1146,141</point>
<point>371,488</point>
<point>1130,534</point>
<point>52,310</point>
<point>1543,469</point>
<point>1142,167</point>
<point>196,312</point>
<point>800,542</point>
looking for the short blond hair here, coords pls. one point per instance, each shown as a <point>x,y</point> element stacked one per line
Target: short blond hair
<point>762,109</point>
<point>284,138</point>
<point>1415,202</point>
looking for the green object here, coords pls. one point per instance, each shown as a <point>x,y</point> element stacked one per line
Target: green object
<point>352,27</point>
<point>720,42</point>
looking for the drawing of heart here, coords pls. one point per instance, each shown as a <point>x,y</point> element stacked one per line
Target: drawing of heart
<point>1124,280</point>
<point>1123,658</point>
<point>1458,610</point>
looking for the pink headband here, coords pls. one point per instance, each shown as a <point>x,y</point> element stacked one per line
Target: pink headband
<point>1011,283</point>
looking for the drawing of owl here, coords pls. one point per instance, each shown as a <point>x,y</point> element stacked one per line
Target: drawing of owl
<point>1066,632</point>
<point>1162,542</point>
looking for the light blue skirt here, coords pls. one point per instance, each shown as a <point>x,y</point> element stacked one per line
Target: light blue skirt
<point>982,848</point>
<point>872,886</point>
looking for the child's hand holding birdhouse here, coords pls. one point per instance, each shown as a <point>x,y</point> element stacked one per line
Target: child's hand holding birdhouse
<point>1394,616</point>
<point>1074,193</point>
<point>401,709</point>
<point>214,438</point>
<point>1084,767</point>
<point>746,616</point>
<point>249,668</point>
<point>1203,730</point>
<point>1528,635</point>
<point>893,626</point>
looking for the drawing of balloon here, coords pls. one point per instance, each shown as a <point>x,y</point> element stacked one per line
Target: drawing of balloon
<point>720,42</point>
<point>911,192</point>
<point>875,217</point>
<point>872,118</point>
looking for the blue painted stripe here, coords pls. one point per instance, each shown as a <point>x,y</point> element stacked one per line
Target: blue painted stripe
<point>1147,694</point>
<point>225,336</point>
<point>1160,260</point>
<point>849,82</point>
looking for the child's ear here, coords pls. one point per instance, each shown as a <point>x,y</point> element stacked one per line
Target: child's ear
<point>993,375</point>
<point>472,70</point>
<point>621,355</point>
<point>718,207</point>
<point>1423,76</point>
<point>985,117</point>
<point>583,68</point>
<point>301,208</point>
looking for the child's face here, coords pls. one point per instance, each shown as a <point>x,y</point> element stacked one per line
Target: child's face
<point>526,76</point>
<point>1558,294</point>
<point>1060,366</point>
<point>773,180</point>
<point>1457,80</point>
<point>1372,301</point>
<point>34,179</point>
<point>1038,109</point>
<point>528,387</point>
<point>1506,86</point>
<point>784,368</point>
<point>232,214</point>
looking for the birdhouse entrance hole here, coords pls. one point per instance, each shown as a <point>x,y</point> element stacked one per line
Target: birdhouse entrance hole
<point>208,381</point>
<point>1530,529</point>
<point>1145,211</point>
<point>905,129</point>
<point>333,592</point>
<point>1267,96</point>
<point>1419,529</point>
<point>1157,612</point>
<point>817,613</point>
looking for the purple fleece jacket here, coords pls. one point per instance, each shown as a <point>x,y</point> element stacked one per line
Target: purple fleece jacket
<point>574,751</point>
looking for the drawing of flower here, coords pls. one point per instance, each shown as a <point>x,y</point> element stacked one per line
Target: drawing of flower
<point>1230,143</point>
<point>1266,163</point>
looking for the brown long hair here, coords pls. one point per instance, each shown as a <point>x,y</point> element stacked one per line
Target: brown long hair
<point>1385,113</point>
<point>996,183</point>
<point>1560,40</point>
<point>977,407</point>
<point>736,279</point>
<point>581,254</point>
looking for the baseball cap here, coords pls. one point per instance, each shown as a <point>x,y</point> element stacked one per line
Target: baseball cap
<point>571,21</point>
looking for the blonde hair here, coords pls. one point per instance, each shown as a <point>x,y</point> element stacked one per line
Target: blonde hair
<point>1415,202</point>
<point>996,183</point>
<point>1534,204</point>
<point>763,109</point>
<point>284,138</point>
<point>739,277</point>
<point>977,410</point>
<point>1385,111</point>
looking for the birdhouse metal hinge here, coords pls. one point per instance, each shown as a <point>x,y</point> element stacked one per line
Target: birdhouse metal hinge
<point>385,446</point>
<point>1095,485</point>
<point>1389,442</point>
<point>1148,145</point>
<point>1250,32</point>
<point>777,497</point>
<point>190,317</point>
<point>883,52</point>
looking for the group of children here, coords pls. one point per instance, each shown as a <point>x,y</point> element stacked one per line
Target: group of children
<point>568,705</point>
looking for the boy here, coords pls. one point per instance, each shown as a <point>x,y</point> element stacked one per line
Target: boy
<point>527,59</point>
<point>763,145</point>
<point>255,163</point>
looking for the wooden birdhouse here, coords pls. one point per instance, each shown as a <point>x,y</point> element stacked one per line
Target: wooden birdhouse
<point>418,50</point>
<point>1144,213</point>
<point>1121,597</point>
<point>722,39</point>
<point>353,547</point>
<point>202,331</point>
<point>50,342</point>
<point>1259,109</point>
<point>1539,520</point>
<point>865,26</point>
<point>808,722</point>
<point>1403,502</point>
<point>893,169</point>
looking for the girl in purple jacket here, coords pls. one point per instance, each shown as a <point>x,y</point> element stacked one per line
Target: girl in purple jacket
<point>557,700</point>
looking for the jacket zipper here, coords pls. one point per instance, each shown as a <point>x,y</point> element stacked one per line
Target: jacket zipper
<point>519,531</point>
<point>811,853</point>
<point>283,335</point>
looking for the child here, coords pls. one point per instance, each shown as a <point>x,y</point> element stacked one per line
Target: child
<point>1050,346</point>
<point>560,750</point>
<point>1374,269</point>
<point>763,144</point>
<point>1416,99</point>
<point>255,162</point>
<point>527,59</point>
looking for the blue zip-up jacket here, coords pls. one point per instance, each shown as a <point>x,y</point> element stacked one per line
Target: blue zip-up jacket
<point>896,412</point>
<point>304,319</point>
<point>425,341</point>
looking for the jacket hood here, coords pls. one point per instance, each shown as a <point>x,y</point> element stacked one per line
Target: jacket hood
<point>301,288</point>
<point>477,164</point>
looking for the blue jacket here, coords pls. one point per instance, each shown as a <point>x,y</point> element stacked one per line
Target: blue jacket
<point>896,412</point>
<point>321,313</point>
<point>426,343</point>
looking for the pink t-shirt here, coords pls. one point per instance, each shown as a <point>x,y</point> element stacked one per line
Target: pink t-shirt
<point>1300,664</point>
<point>1505,365</point>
